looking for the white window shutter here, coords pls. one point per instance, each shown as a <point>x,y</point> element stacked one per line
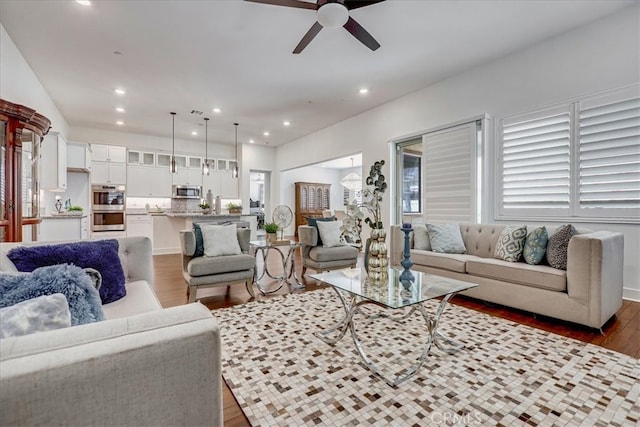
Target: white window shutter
<point>535,154</point>
<point>609,157</point>
<point>450,174</point>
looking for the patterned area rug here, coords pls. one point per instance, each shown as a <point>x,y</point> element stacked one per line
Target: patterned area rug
<point>508,374</point>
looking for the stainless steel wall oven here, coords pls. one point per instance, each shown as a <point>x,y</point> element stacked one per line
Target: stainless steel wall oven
<point>108,207</point>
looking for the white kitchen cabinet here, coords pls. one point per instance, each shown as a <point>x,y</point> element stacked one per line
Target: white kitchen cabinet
<point>108,173</point>
<point>221,183</point>
<point>144,181</point>
<point>141,158</point>
<point>140,225</point>
<point>194,162</point>
<point>84,227</point>
<point>70,228</point>
<point>109,153</point>
<point>186,176</point>
<point>53,163</point>
<point>163,159</point>
<point>78,157</point>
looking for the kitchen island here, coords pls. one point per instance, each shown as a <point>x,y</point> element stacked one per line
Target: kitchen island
<point>167,225</point>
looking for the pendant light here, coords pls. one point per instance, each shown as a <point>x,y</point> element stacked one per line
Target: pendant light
<point>235,169</point>
<point>352,181</point>
<point>173,167</point>
<point>205,164</point>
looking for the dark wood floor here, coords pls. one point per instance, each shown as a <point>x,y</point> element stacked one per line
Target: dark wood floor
<point>622,333</point>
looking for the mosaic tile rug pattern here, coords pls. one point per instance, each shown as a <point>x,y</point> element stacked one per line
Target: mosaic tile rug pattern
<point>508,374</point>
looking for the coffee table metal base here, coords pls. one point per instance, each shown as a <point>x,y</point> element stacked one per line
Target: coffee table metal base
<point>353,304</point>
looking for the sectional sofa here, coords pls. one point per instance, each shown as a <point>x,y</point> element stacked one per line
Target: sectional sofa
<point>589,292</point>
<point>144,365</point>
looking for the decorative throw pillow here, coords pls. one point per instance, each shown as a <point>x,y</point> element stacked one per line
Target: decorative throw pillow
<point>511,243</point>
<point>83,298</point>
<point>220,240</point>
<point>43,313</point>
<point>535,246</point>
<point>446,238</point>
<point>99,254</point>
<point>558,245</point>
<point>197,231</point>
<point>314,223</point>
<point>331,233</point>
<point>421,237</point>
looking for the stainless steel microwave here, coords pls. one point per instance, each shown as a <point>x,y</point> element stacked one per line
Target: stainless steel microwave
<point>187,192</point>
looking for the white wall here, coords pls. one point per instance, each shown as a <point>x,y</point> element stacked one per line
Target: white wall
<point>257,158</point>
<point>19,84</point>
<point>600,56</point>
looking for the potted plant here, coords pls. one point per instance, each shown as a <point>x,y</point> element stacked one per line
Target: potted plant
<point>271,228</point>
<point>234,208</point>
<point>75,210</point>
<point>205,207</point>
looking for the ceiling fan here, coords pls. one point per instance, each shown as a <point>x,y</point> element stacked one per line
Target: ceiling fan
<point>332,14</point>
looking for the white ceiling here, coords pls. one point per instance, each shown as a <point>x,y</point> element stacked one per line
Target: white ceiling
<point>197,55</point>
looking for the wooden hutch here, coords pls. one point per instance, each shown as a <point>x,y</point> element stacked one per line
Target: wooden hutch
<point>311,199</point>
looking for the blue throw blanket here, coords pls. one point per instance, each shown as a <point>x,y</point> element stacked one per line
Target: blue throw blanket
<point>101,255</point>
<point>71,281</point>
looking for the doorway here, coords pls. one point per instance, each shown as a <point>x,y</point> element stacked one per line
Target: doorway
<point>259,195</point>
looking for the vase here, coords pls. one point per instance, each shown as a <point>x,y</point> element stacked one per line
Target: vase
<point>271,237</point>
<point>377,262</point>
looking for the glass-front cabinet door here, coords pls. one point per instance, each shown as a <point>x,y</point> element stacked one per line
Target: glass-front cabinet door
<point>22,129</point>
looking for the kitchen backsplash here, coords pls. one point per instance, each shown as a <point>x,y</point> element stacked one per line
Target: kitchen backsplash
<point>141,202</point>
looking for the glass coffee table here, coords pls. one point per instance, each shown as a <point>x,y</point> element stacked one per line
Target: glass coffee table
<point>355,292</point>
<point>287,255</point>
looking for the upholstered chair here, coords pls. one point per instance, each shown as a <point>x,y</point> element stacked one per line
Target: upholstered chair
<point>205,272</point>
<point>320,258</point>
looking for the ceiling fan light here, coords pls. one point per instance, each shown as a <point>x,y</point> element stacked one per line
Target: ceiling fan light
<point>332,15</point>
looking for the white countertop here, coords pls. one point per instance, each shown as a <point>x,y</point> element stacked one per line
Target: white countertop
<point>64,216</point>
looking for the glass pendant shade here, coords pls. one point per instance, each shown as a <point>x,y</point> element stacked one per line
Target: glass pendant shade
<point>173,168</point>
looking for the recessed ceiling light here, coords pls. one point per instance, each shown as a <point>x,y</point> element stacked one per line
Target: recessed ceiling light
<point>364,91</point>
<point>251,141</point>
<point>120,91</point>
<point>120,123</point>
<point>194,133</point>
<point>120,109</point>
<point>286,123</point>
<point>84,2</point>
<point>217,110</point>
<point>266,133</point>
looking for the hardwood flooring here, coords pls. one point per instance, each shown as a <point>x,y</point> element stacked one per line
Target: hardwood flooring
<point>622,332</point>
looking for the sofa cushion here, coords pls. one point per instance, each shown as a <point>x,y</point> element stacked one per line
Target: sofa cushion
<point>451,262</point>
<point>511,243</point>
<point>558,245</point>
<point>140,299</point>
<point>99,254</point>
<point>43,313</point>
<point>204,266</point>
<point>421,237</point>
<point>336,253</point>
<point>313,222</point>
<point>83,298</point>
<point>446,238</point>
<point>535,246</point>
<point>538,276</point>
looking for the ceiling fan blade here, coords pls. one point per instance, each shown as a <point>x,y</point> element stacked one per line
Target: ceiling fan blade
<point>355,4</point>
<point>361,34</point>
<point>289,3</point>
<point>313,31</point>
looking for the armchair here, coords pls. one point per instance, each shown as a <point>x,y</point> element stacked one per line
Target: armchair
<point>206,272</point>
<point>320,258</point>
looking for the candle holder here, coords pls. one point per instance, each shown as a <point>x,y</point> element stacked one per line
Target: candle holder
<point>58,204</point>
<point>406,274</point>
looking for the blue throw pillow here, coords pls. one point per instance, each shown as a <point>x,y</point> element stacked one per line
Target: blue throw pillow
<point>314,223</point>
<point>71,281</point>
<point>99,254</point>
<point>197,231</point>
<point>535,246</point>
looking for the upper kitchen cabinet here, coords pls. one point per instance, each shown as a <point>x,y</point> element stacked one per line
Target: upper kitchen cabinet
<point>53,163</point>
<point>141,158</point>
<point>78,157</point>
<point>108,164</point>
<point>143,181</point>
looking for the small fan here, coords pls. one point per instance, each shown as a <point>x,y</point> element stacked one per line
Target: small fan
<point>283,216</point>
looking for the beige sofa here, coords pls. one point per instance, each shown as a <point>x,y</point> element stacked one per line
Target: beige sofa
<point>589,292</point>
<point>144,365</point>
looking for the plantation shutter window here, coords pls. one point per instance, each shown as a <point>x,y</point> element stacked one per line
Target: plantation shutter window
<point>609,158</point>
<point>450,174</point>
<point>536,157</point>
